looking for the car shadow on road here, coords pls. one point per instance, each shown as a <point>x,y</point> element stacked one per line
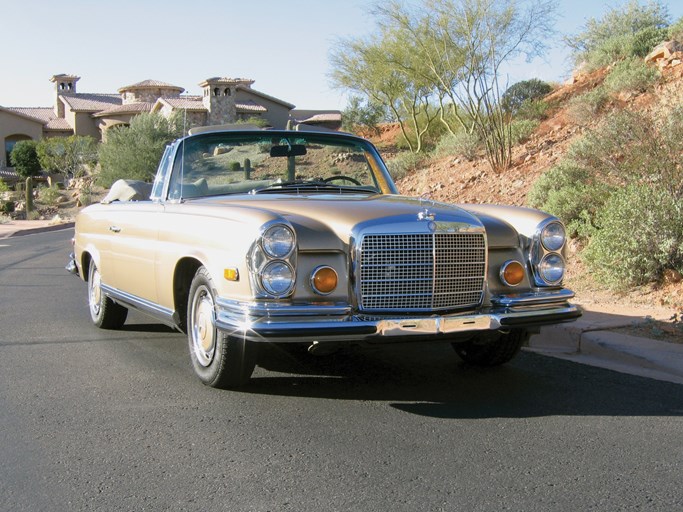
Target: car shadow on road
<point>430,380</point>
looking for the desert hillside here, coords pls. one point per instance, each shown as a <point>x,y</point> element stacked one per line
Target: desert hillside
<point>455,179</point>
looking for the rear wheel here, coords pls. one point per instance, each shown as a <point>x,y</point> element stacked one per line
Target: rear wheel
<point>219,360</point>
<point>492,353</point>
<point>104,312</point>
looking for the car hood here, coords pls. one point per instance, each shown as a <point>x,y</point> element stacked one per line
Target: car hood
<point>325,221</point>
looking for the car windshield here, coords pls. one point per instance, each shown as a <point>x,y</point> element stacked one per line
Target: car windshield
<point>265,162</point>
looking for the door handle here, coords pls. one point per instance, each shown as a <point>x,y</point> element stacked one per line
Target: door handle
<point>114,229</point>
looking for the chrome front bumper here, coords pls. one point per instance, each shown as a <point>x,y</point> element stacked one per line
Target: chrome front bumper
<point>336,322</point>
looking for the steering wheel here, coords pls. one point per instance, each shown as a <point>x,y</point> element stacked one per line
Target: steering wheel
<point>343,178</point>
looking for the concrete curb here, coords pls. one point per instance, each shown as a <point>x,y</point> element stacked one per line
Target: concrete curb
<point>12,230</point>
<point>591,341</point>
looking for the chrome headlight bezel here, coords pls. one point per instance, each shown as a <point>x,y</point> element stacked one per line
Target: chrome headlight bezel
<point>548,245</point>
<point>553,236</point>
<point>278,241</point>
<point>264,253</point>
<point>277,278</point>
<point>552,268</point>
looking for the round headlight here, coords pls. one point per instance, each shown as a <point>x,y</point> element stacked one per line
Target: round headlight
<point>553,236</point>
<point>324,280</point>
<point>277,278</point>
<point>278,241</point>
<point>551,268</point>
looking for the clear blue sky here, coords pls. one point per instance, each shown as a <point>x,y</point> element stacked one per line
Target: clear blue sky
<point>283,45</point>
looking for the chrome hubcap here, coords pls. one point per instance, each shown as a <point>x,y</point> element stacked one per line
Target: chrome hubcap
<point>203,329</point>
<point>95,294</point>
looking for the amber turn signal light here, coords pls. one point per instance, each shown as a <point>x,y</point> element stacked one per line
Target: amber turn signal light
<point>324,280</point>
<point>512,273</point>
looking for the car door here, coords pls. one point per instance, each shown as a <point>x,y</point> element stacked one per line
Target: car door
<point>133,234</point>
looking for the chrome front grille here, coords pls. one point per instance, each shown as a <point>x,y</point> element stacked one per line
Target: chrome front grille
<point>430,271</point>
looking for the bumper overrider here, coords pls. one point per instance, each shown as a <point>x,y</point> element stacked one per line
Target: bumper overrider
<point>271,321</point>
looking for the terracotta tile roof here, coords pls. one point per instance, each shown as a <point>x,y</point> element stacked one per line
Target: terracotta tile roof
<point>192,103</point>
<point>90,102</point>
<point>250,106</point>
<point>128,108</point>
<point>151,84</point>
<point>44,115</point>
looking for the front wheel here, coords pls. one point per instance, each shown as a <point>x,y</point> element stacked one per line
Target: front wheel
<point>104,312</point>
<point>498,351</point>
<point>219,360</point>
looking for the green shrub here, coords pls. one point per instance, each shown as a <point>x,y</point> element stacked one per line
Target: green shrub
<point>363,114</point>
<point>631,75</point>
<point>461,144</point>
<point>24,158</point>
<point>522,129</point>
<point>133,152</point>
<point>534,110</point>
<point>624,31</point>
<point>234,166</point>
<point>403,163</point>
<point>521,92</point>
<point>645,40</point>
<point>49,195</point>
<point>640,235</point>
<point>573,194</point>
<point>3,186</point>
<point>675,31</point>
<point>588,105</point>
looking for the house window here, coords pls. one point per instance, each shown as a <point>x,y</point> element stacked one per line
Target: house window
<point>216,92</point>
<point>227,91</point>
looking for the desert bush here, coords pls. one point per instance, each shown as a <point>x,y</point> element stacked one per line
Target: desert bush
<point>522,129</point>
<point>3,186</point>
<point>461,144</point>
<point>363,114</point>
<point>624,31</point>
<point>621,188</point>
<point>631,75</point>
<point>645,40</point>
<point>572,193</point>
<point>534,110</point>
<point>675,30</point>
<point>71,156</point>
<point>403,163</point>
<point>521,92</point>
<point>639,235</point>
<point>48,195</point>
<point>133,152</point>
<point>588,105</point>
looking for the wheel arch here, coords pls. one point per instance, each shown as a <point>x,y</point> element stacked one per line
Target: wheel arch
<point>184,272</point>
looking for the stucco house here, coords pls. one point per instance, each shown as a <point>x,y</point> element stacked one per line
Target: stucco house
<point>223,101</point>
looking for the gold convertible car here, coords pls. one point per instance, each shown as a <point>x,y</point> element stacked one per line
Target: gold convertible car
<point>249,236</point>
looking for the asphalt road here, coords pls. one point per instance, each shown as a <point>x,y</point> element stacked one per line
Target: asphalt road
<point>115,420</point>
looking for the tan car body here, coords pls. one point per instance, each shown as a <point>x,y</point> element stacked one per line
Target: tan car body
<point>148,251</point>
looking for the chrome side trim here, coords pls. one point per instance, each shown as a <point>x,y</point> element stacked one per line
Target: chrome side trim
<point>166,315</point>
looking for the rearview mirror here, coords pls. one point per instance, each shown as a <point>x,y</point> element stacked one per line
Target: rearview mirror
<point>293,150</point>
